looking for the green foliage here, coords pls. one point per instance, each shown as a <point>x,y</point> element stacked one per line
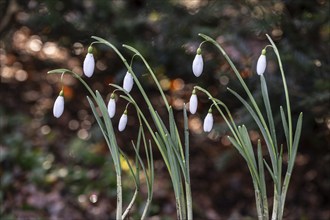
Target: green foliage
<point>165,32</point>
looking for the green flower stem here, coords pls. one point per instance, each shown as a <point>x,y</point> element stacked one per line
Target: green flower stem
<point>130,205</point>
<point>150,176</point>
<point>119,198</point>
<point>136,52</point>
<point>187,179</point>
<point>144,213</point>
<point>282,196</point>
<point>258,201</point>
<point>285,91</point>
<point>136,177</point>
<point>222,114</point>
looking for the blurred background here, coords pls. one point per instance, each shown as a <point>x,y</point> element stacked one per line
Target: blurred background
<point>61,168</point>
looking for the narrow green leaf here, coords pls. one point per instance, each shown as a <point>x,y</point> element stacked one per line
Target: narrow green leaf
<point>135,177</point>
<point>238,147</point>
<point>269,143</point>
<point>110,131</point>
<point>186,141</point>
<point>286,92</point>
<point>152,164</point>
<point>265,96</point>
<point>247,143</point>
<point>101,125</point>
<point>286,129</point>
<point>58,71</point>
<point>263,188</point>
<point>174,133</point>
<point>295,142</point>
<point>279,162</point>
<point>270,171</point>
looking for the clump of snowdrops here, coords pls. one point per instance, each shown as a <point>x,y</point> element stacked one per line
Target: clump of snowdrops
<point>166,136</point>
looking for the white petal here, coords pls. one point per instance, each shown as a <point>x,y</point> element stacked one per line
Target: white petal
<point>128,82</point>
<point>261,64</point>
<point>122,122</point>
<point>112,107</point>
<point>208,122</point>
<point>89,64</point>
<point>197,65</point>
<point>58,106</point>
<point>193,104</point>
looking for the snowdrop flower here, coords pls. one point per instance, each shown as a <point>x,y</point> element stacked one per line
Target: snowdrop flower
<point>128,82</point>
<point>261,64</point>
<point>208,121</point>
<point>193,102</point>
<point>89,63</point>
<point>197,65</point>
<point>122,121</point>
<point>112,106</point>
<point>59,105</point>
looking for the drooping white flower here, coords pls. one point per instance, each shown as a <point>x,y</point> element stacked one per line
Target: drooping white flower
<point>261,64</point>
<point>112,106</point>
<point>193,103</point>
<point>122,121</point>
<point>59,105</point>
<point>198,63</point>
<point>208,122</point>
<point>89,63</point>
<point>128,82</point>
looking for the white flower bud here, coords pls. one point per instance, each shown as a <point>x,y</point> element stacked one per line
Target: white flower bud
<point>58,105</point>
<point>122,121</point>
<point>193,103</point>
<point>89,63</point>
<point>198,64</point>
<point>261,64</point>
<point>128,82</point>
<point>208,122</point>
<point>112,106</point>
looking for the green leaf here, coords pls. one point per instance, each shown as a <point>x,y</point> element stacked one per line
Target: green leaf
<point>295,142</point>
<point>270,171</point>
<point>238,147</point>
<point>262,180</point>
<point>58,71</point>
<point>265,96</point>
<point>262,129</point>
<point>186,141</point>
<point>110,131</point>
<point>247,143</point>
<point>101,125</point>
<point>285,128</point>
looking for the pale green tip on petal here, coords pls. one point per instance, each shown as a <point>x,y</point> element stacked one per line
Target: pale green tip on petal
<point>90,49</point>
